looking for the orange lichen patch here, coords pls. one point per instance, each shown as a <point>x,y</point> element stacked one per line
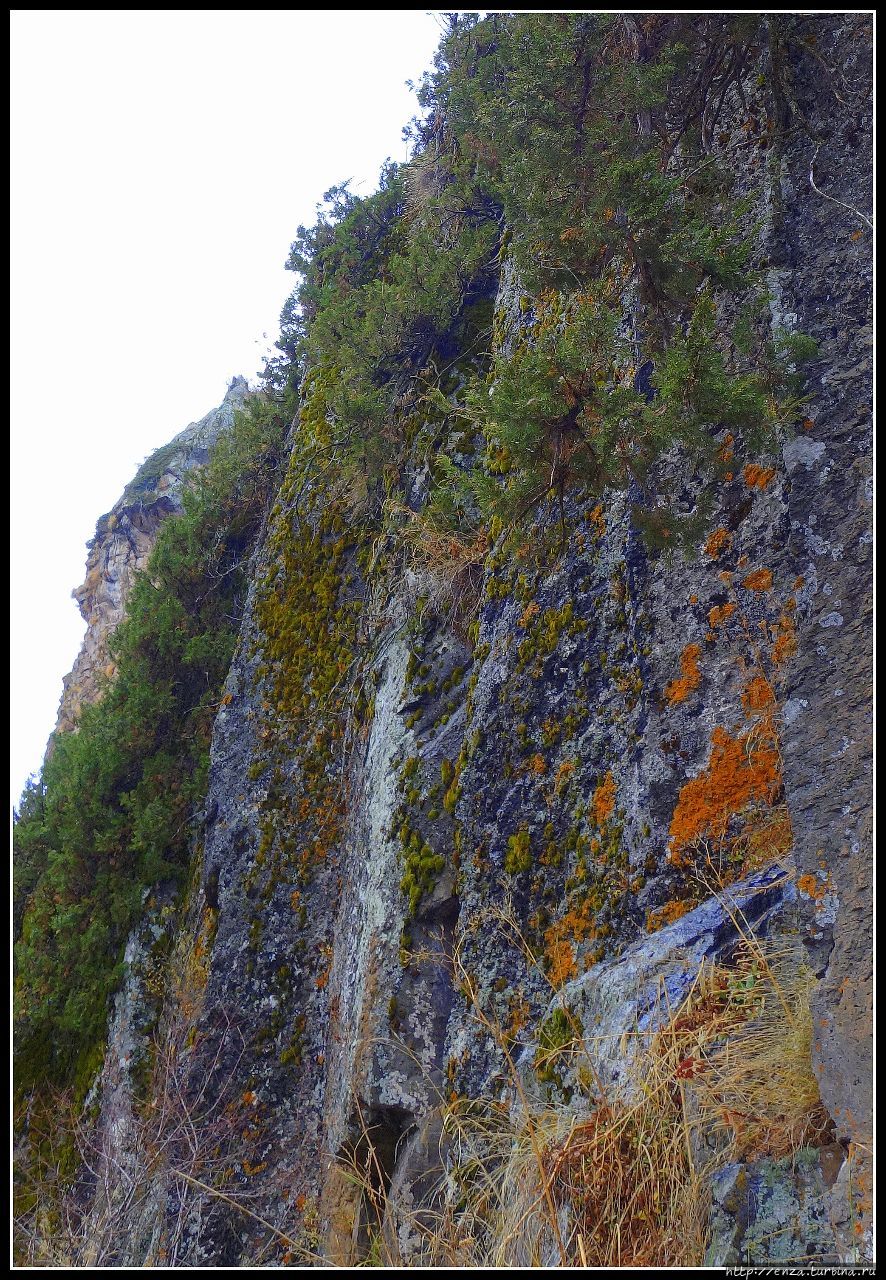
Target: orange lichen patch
<point>603,802</point>
<point>717,543</point>
<point>680,689</point>
<point>529,613</point>
<point>758,695</point>
<point>564,773</point>
<point>759,580</point>
<point>561,962</point>
<point>813,887</point>
<point>720,613</point>
<point>693,599</point>
<point>577,925</point>
<point>785,639</point>
<point>724,575</point>
<point>740,771</point>
<point>226,700</point>
<point>597,520</point>
<point>537,764</point>
<point>799,582</point>
<point>668,914</point>
<point>725,451</point>
<point>756,477</point>
<point>741,562</point>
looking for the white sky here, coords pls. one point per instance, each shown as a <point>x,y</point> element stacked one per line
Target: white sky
<point>161,163</point>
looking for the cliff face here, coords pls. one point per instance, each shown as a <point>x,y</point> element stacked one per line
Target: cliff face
<point>124,539</point>
<point>476,830</point>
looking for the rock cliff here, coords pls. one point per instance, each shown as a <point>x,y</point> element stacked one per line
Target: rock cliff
<point>505,845</point>
<point>124,539</point>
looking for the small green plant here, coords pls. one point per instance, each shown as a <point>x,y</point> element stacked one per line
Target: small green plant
<point>554,1034</point>
<point>518,857</point>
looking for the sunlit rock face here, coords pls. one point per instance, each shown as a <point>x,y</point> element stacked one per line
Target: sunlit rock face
<point>123,542</point>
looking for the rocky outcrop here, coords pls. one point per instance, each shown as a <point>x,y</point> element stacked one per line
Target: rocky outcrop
<point>123,542</point>
<point>597,769</point>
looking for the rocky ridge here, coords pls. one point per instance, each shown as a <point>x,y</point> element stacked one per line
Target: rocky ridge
<point>123,541</point>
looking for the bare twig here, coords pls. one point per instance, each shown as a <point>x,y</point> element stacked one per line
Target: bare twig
<point>833,199</point>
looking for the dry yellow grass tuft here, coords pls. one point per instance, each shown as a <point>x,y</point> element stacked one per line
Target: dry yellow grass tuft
<point>602,1180</point>
<point>447,567</point>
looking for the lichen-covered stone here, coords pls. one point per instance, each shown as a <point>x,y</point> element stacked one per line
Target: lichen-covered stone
<point>412,823</point>
<point>778,1212</point>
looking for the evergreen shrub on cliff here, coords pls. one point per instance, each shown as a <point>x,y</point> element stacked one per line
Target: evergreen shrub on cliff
<point>578,149</point>
<point>593,134</point>
<point>111,814</point>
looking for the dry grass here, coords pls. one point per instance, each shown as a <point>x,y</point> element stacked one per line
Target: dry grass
<point>535,1177</point>
<point>156,1166</point>
<point>425,182</point>
<point>603,1180</point>
<point>447,568</point>
<point>756,1094</point>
